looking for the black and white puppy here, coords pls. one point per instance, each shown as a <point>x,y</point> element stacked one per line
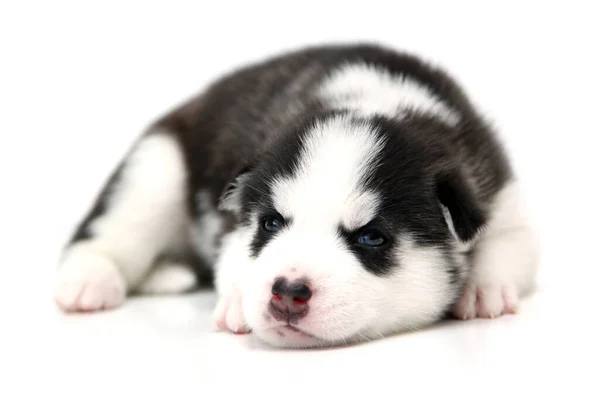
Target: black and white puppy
<point>339,193</point>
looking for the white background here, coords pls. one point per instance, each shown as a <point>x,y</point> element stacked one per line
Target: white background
<point>79,81</point>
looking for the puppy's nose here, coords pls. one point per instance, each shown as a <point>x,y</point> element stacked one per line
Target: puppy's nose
<point>290,300</point>
<point>297,291</point>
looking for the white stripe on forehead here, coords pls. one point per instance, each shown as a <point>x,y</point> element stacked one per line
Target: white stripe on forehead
<point>370,90</point>
<point>326,188</point>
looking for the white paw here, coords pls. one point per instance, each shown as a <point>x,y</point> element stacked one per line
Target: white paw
<point>88,281</point>
<point>228,315</point>
<point>486,301</point>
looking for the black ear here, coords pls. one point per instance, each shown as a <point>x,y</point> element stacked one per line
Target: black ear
<point>230,199</point>
<point>466,214</point>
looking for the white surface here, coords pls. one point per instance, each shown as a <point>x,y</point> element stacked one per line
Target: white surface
<point>79,82</point>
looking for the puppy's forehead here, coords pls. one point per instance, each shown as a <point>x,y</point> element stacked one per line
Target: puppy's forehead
<point>327,183</point>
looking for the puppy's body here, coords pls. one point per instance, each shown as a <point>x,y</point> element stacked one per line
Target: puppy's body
<point>338,193</point>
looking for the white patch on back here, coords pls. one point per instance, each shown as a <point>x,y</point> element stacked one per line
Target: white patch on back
<point>370,90</point>
<point>326,189</point>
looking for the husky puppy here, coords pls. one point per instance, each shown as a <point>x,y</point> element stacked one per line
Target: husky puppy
<point>334,193</point>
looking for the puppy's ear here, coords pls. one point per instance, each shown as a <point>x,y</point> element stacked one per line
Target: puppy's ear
<point>231,199</point>
<point>457,197</point>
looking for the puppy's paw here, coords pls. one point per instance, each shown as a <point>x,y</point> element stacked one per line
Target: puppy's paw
<point>486,301</point>
<point>88,281</point>
<point>228,315</point>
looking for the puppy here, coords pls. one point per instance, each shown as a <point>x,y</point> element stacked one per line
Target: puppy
<point>339,194</point>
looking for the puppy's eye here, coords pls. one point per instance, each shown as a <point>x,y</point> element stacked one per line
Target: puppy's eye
<point>272,223</point>
<point>371,238</point>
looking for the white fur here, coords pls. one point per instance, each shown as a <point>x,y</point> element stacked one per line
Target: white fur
<point>326,190</point>
<point>505,260</point>
<point>370,90</point>
<point>145,216</point>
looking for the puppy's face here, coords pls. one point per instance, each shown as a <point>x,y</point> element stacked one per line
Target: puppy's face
<point>345,235</point>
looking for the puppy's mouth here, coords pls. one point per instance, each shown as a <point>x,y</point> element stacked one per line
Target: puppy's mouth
<point>294,329</point>
<point>289,329</point>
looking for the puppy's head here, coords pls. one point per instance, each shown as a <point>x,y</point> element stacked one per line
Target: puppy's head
<point>348,228</point>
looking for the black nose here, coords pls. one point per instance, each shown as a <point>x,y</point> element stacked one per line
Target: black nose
<point>297,291</point>
<point>290,300</point>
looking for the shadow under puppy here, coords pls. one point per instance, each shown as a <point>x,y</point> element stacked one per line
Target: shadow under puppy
<point>338,193</point>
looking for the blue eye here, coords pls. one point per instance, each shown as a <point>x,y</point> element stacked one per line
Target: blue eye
<point>272,224</point>
<point>371,238</point>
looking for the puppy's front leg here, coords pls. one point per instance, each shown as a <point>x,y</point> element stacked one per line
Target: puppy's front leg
<point>140,215</point>
<point>504,261</point>
<point>230,272</point>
